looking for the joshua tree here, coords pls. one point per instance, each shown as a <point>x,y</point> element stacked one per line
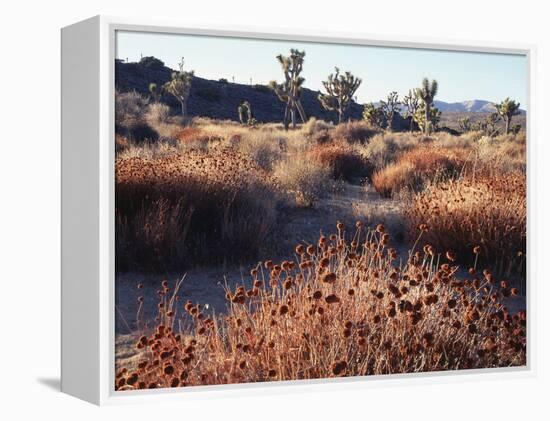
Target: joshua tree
<point>389,108</point>
<point>427,93</point>
<point>373,115</point>
<point>340,90</point>
<point>290,90</point>
<point>507,109</point>
<point>245,113</point>
<point>431,124</point>
<point>412,102</point>
<point>154,92</point>
<point>180,86</point>
<point>464,124</point>
<point>491,124</point>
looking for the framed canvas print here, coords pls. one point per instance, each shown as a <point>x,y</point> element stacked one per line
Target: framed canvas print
<point>249,209</point>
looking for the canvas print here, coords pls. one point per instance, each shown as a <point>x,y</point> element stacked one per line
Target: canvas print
<point>299,210</point>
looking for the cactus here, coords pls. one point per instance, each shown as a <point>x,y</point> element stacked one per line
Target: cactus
<point>373,115</point>
<point>507,109</point>
<point>389,108</point>
<point>290,89</point>
<point>245,114</point>
<point>412,103</point>
<point>340,90</point>
<point>427,93</point>
<point>465,124</point>
<point>180,86</point>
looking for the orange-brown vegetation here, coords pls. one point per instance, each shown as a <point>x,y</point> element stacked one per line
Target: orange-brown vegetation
<point>344,160</point>
<point>342,307</point>
<point>416,167</point>
<point>488,211</point>
<point>196,206</point>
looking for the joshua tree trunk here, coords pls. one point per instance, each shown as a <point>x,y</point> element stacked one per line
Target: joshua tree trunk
<point>184,109</point>
<point>293,117</point>
<point>285,120</point>
<point>340,111</point>
<point>506,125</point>
<point>412,124</point>
<point>426,117</point>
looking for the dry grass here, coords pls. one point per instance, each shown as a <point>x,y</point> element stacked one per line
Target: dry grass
<point>305,180</point>
<point>340,308</point>
<point>264,147</point>
<point>354,132</point>
<point>383,149</point>
<point>345,160</point>
<point>192,160</point>
<point>418,166</point>
<point>175,209</point>
<point>488,212</point>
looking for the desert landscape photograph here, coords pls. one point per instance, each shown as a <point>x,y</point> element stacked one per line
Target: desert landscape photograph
<point>290,210</point>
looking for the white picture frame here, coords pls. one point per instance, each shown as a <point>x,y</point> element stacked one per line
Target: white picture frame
<point>88,56</point>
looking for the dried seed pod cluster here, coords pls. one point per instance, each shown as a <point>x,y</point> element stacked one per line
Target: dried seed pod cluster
<point>343,307</point>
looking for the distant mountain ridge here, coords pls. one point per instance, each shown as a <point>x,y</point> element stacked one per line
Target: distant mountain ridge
<point>472,106</point>
<point>220,99</point>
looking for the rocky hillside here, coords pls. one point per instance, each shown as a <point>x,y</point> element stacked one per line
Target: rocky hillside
<point>220,99</point>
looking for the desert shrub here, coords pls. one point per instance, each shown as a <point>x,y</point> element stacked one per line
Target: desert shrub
<point>394,178</point>
<point>486,212</point>
<point>465,140</point>
<point>181,210</point>
<point>384,148</point>
<point>192,137</point>
<point>417,167</point>
<point>305,180</point>
<point>345,161</point>
<point>139,132</point>
<point>336,310</point>
<point>157,113</point>
<point>354,132</point>
<point>159,119</point>
<point>130,108</point>
<point>321,137</point>
<point>264,148</point>
<point>314,126</point>
<point>500,155</point>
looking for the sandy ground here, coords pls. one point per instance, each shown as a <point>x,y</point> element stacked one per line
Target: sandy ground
<point>206,285</point>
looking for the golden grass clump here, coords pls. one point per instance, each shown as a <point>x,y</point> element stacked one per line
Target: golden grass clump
<point>416,167</point>
<point>402,317</point>
<point>354,132</point>
<point>304,180</point>
<point>179,208</point>
<point>489,213</point>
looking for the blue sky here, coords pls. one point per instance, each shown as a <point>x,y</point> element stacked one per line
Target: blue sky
<point>461,76</point>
